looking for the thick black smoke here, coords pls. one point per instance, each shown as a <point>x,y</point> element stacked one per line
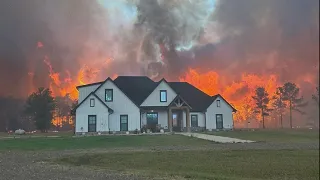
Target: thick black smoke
<point>270,36</point>
<point>273,36</point>
<point>60,25</point>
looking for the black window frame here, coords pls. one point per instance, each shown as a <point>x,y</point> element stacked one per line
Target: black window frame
<point>197,124</point>
<point>124,115</point>
<point>105,95</point>
<point>165,91</point>
<point>92,100</point>
<point>95,127</point>
<point>218,103</point>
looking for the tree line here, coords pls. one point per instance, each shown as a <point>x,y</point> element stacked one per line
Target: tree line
<point>36,112</point>
<point>286,97</point>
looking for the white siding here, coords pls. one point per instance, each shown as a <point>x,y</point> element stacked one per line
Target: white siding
<point>226,112</point>
<point>154,98</point>
<point>85,110</point>
<point>201,118</point>
<point>85,91</point>
<point>121,105</point>
<point>162,118</point>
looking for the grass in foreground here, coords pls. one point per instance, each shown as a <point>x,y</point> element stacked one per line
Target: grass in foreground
<point>98,142</point>
<point>218,165</point>
<point>39,134</point>
<point>281,135</point>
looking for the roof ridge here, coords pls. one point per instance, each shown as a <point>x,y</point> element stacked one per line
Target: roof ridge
<point>90,84</point>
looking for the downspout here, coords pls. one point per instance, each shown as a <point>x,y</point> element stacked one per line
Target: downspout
<point>109,120</point>
<point>140,118</point>
<point>205,120</point>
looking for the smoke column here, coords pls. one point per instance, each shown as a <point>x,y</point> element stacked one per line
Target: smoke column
<point>158,38</point>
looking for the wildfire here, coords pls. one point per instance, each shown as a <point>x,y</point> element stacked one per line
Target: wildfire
<point>239,94</point>
<point>63,84</point>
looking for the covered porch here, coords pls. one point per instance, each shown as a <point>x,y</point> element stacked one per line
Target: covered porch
<point>179,115</point>
<point>172,118</point>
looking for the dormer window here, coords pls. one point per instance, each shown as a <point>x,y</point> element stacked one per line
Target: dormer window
<point>109,95</point>
<point>92,102</point>
<point>163,95</point>
<point>218,103</point>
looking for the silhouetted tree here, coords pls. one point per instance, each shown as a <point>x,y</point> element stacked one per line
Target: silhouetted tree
<point>291,95</point>
<point>40,106</point>
<point>315,96</point>
<point>262,100</point>
<point>279,103</point>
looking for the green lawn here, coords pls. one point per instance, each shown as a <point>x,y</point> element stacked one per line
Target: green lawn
<point>41,143</point>
<point>281,135</point>
<point>39,134</point>
<point>217,165</point>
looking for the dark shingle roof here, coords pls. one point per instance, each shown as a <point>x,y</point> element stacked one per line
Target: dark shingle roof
<point>97,83</point>
<point>137,88</point>
<point>198,100</point>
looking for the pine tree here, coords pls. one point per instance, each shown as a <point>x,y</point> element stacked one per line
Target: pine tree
<point>291,95</point>
<point>40,106</point>
<point>279,103</point>
<point>262,100</point>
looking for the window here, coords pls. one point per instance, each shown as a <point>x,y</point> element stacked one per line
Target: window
<point>163,95</point>
<point>123,122</point>
<point>219,121</point>
<point>218,103</point>
<point>194,120</point>
<point>109,95</point>
<point>92,102</point>
<point>92,123</point>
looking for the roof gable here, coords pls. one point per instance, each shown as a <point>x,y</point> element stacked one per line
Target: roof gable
<point>218,95</point>
<point>93,94</point>
<point>153,98</point>
<point>139,88</point>
<point>198,100</point>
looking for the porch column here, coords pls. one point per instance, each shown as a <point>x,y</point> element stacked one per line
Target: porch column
<point>188,119</point>
<point>170,119</point>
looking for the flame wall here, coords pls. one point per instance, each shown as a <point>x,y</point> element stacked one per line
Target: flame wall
<point>220,46</point>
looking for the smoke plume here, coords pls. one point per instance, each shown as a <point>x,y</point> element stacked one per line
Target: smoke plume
<point>157,38</point>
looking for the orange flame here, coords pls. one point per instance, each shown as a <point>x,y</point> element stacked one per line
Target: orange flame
<point>239,94</point>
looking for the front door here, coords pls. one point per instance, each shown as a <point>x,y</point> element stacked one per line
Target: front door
<point>123,122</point>
<point>219,121</point>
<point>92,123</point>
<point>152,121</point>
<point>176,121</point>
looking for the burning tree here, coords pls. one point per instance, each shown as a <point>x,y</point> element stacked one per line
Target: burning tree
<point>290,94</point>
<point>262,100</point>
<point>279,104</point>
<point>61,116</point>
<point>40,105</point>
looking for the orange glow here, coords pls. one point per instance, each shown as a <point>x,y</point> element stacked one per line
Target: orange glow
<point>239,94</point>
<point>63,84</point>
<point>39,45</point>
<point>58,121</point>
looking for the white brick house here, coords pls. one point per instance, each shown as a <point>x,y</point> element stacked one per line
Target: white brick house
<point>129,103</point>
